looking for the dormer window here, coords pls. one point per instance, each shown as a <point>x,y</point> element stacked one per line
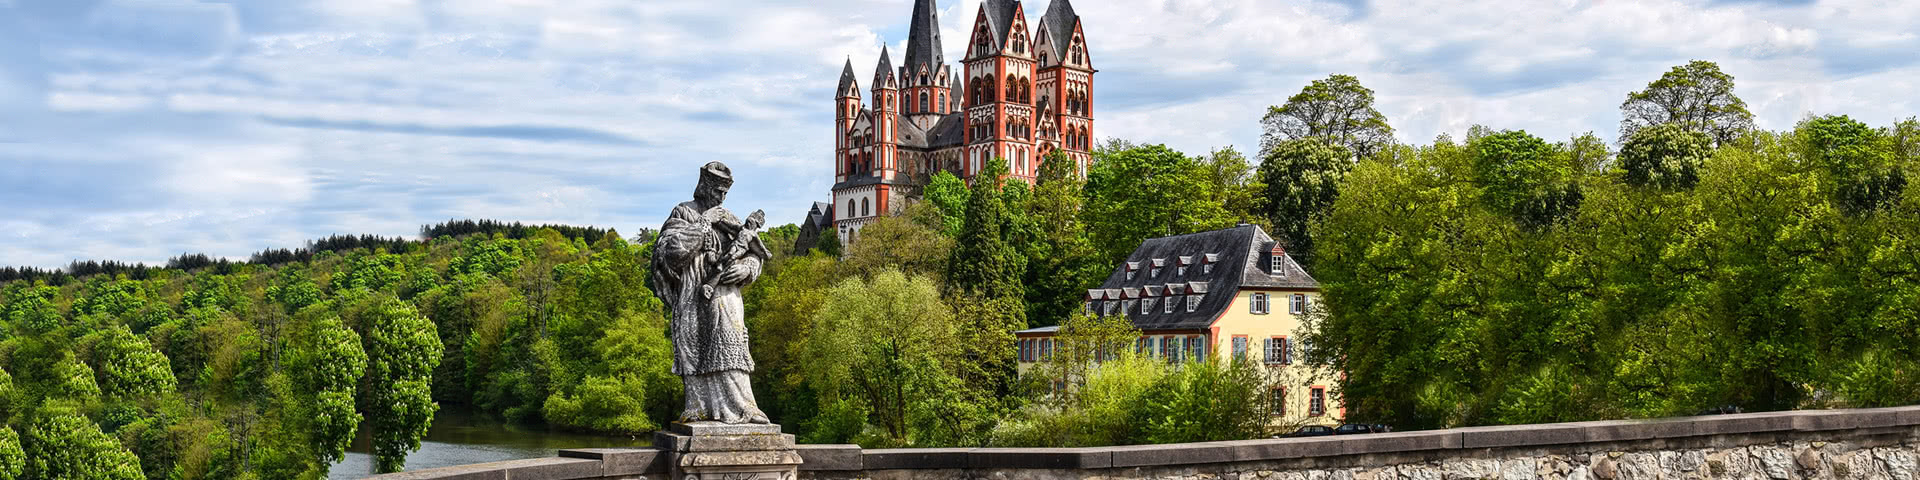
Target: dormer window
<point>1279,267</point>
<point>1193,302</point>
<point>1146,306</point>
<point>1170,302</point>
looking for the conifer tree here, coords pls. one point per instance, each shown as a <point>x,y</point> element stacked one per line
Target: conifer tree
<point>984,264</point>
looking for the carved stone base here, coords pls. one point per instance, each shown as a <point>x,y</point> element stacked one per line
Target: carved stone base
<point>717,451</point>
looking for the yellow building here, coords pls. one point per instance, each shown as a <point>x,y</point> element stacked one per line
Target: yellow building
<point>1225,292</point>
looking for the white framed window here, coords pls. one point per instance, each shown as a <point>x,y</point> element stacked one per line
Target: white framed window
<point>1146,306</point>
<point>1299,303</point>
<point>1129,274</point>
<point>1279,400</point>
<point>1170,302</point>
<point>1206,268</point>
<point>1257,304</point>
<point>1278,268</point>
<point>1181,271</point>
<point>1193,302</point>
<point>1239,346</point>
<point>1107,307</point>
<point>1169,348</point>
<point>1089,308</point>
<point>1126,306</point>
<point>1317,401</point>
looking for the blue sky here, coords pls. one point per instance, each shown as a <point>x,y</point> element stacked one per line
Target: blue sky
<point>138,130</point>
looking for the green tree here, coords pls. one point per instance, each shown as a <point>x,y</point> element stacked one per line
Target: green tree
<point>1520,175</point>
<point>402,351</point>
<point>129,367</point>
<point>782,305</point>
<point>911,243</point>
<point>983,262</point>
<point>1302,179</point>
<point>1236,185</point>
<point>326,362</point>
<point>1857,158</point>
<point>1061,260</point>
<point>1665,156</point>
<point>62,444</point>
<point>13,461</point>
<point>1697,97</point>
<point>949,194</point>
<point>1337,110</point>
<point>892,340</point>
<point>1144,192</point>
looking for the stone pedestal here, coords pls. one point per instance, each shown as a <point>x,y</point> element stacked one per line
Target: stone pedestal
<point>717,451</point>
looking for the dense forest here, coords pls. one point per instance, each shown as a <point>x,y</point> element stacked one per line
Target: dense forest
<point>1497,278</point>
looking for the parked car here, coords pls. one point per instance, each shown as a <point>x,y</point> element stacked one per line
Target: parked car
<point>1309,431</point>
<point>1355,428</point>
<point>1723,409</point>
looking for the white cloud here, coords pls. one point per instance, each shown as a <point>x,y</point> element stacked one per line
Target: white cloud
<point>375,116</point>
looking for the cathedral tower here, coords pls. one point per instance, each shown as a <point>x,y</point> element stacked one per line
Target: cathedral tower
<point>1065,85</point>
<point>999,92</point>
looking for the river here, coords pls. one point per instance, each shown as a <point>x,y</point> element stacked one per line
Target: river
<point>459,438</point>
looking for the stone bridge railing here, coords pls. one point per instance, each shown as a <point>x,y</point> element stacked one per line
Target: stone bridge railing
<point>1814,444</point>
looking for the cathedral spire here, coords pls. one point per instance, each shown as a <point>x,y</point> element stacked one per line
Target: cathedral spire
<point>881,71</point>
<point>1059,21</point>
<point>847,86</point>
<point>923,41</point>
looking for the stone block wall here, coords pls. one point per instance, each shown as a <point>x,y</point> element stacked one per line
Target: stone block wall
<point>1820,444</point>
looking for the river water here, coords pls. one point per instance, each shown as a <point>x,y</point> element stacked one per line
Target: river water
<point>458,438</point>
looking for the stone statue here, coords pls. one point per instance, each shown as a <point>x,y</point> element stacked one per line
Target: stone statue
<point>704,257</point>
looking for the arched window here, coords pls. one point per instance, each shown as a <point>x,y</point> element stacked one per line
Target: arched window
<point>1013,89</point>
<point>1026,92</point>
<point>987,92</point>
<point>850,209</point>
<point>942,106</point>
<point>865,208</point>
<point>923,101</point>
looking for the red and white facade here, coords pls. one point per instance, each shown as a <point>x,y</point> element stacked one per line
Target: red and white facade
<point>1023,90</point>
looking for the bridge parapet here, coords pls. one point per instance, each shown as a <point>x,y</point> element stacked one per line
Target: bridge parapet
<point>1809,444</point>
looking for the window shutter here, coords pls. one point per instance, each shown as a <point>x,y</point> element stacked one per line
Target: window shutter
<point>1267,353</point>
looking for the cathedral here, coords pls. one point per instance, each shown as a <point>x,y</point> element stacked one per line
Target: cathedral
<point>1022,91</point>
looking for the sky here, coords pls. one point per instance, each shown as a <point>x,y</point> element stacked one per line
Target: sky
<point>136,130</point>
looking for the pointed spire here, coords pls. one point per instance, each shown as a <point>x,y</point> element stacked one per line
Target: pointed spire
<point>923,41</point>
<point>847,86</point>
<point>1059,21</point>
<point>881,71</point>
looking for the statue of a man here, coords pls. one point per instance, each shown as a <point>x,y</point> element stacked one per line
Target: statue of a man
<point>704,257</point>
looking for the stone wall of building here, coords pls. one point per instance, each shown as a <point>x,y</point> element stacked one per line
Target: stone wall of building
<point>1822,444</point>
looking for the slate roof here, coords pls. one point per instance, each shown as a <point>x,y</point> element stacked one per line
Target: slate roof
<point>999,19</point>
<point>859,180</point>
<point>821,214</point>
<point>949,132</point>
<point>1239,257</point>
<point>923,41</point>
<point>881,71</point>
<point>911,135</point>
<point>1059,21</point>
<point>848,88</point>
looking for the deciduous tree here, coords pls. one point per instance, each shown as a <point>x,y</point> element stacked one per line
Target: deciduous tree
<point>1336,109</point>
<point>1696,96</point>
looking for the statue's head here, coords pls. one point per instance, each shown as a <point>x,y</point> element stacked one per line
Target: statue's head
<point>715,180</point>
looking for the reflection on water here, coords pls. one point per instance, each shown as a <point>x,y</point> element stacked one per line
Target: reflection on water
<point>458,438</point>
